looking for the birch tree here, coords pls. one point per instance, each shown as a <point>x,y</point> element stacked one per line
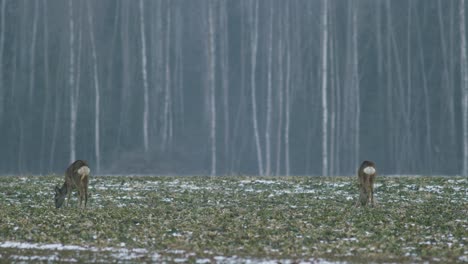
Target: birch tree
<point>243,93</point>
<point>324,75</point>
<point>389,86</point>
<point>126,80</point>
<point>2,46</point>
<point>47,88</point>
<point>211,84</point>
<point>334,99</point>
<point>287,120</point>
<point>71,83</point>
<point>280,99</point>
<point>464,85</point>
<point>446,71</point>
<point>159,72</point>
<point>32,54</point>
<point>145,77</point>
<point>224,53</point>
<point>355,82</point>
<point>254,46</point>
<point>97,107</point>
<point>167,113</point>
<point>179,100</point>
<point>269,110</point>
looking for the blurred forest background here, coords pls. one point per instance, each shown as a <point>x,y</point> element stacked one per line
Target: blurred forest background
<point>297,87</point>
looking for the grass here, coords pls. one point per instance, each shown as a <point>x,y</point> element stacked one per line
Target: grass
<point>236,219</point>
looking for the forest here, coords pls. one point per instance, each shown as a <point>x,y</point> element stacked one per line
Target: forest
<point>247,87</point>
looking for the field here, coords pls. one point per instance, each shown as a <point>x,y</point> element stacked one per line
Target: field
<point>236,219</point>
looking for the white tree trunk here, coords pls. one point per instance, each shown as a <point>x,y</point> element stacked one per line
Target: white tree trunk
<point>211,83</point>
<point>45,128</point>
<point>32,55</point>
<point>179,103</point>
<point>254,44</point>
<point>269,97</point>
<point>280,102</point>
<point>2,45</point>
<point>145,78</point>
<point>332,164</point>
<point>464,89</point>
<point>324,71</point>
<point>71,82</point>
<point>167,90</point>
<point>389,85</point>
<point>427,111</point>
<point>225,84</point>
<point>97,151</point>
<point>356,84</point>
<point>126,76</point>
<point>288,111</point>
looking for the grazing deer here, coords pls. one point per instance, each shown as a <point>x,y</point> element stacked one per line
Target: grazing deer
<point>76,176</point>
<point>366,176</point>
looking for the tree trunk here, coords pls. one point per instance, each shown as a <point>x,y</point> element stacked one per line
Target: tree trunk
<point>97,151</point>
<point>355,83</point>
<point>179,101</point>
<point>145,78</point>
<point>45,112</point>
<point>71,82</point>
<point>32,54</point>
<point>336,92</point>
<point>254,46</point>
<point>237,129</point>
<point>324,74</point>
<point>333,99</point>
<point>269,97</point>
<point>211,84</point>
<point>280,101</point>
<point>380,66</point>
<point>167,90</point>
<point>125,95</point>
<point>2,46</point>
<point>390,124</point>
<point>287,120</point>
<point>225,83</point>
<point>464,86</point>
<point>447,82</point>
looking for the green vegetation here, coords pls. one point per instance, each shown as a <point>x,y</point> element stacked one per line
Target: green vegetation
<point>201,219</point>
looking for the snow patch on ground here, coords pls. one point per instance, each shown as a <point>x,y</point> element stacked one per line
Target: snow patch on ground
<point>117,253</point>
<point>125,254</point>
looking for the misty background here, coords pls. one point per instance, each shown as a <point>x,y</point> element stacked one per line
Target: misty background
<point>298,87</point>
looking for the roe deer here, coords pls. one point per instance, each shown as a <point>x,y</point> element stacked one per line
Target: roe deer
<point>76,176</point>
<point>366,176</point>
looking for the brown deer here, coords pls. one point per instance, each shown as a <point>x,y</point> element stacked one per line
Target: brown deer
<point>366,177</point>
<point>76,176</point>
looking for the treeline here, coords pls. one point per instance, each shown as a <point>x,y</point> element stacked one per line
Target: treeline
<point>231,87</point>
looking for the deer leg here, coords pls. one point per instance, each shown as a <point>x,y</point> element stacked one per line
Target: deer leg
<point>69,195</point>
<point>360,190</point>
<point>86,195</point>
<point>81,196</point>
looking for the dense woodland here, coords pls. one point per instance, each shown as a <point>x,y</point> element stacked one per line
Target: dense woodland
<point>298,87</point>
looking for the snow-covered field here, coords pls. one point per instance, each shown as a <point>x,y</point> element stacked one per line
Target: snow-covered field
<point>236,220</point>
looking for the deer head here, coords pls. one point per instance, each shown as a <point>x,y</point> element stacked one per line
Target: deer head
<point>60,194</point>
